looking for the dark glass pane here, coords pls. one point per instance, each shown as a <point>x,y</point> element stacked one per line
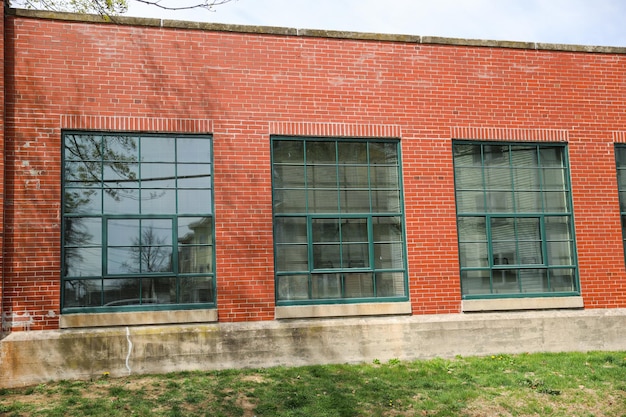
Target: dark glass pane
<point>120,148</point>
<point>466,178</point>
<point>358,201</point>
<point>154,258</point>
<point>83,201</point>
<point>290,201</point>
<point>389,256</point>
<point>355,256</point>
<point>83,174</point>
<point>470,202</point>
<point>158,176</point>
<point>195,290</point>
<point>352,152</point>
<point>325,286</point>
<point>505,281</point>
<point>321,176</point>
<point>195,259</point>
<point>551,157</point>
<point>496,154</point>
<point>193,150</point>
<point>194,201</point>
<point>533,280</point>
<point>524,156</point>
<point>354,176</point>
<point>385,201</point>
<point>358,285</point>
<point>292,258</point>
<point>83,261</point>
<point>620,156</point>
<point>387,229</point>
<point>466,154</point>
<point>525,179</point>
<point>383,153</point>
<point>325,230</point>
<point>156,232</point>
<point>292,287</point>
<point>289,176</point>
<point>475,282</point>
<point>160,290</point>
<point>562,279</point>
<point>82,293</point>
<point>384,177</point>
<point>499,201</point>
<point>195,230</point>
<point>472,229</point>
<point>288,151</point>
<point>497,178</point>
<point>390,284</point>
<point>158,149</point>
<point>121,201</point>
<point>621,178</point>
<point>82,231</point>
<point>321,152</point>
<point>323,201</point>
<point>83,148</point>
<point>123,260</point>
<point>503,228</point>
<point>354,230</point>
<point>622,201</point>
<point>558,228</point>
<point>474,255</point>
<point>160,201</point>
<point>290,230</point>
<point>122,292</point>
<point>194,176</point>
<point>326,256</point>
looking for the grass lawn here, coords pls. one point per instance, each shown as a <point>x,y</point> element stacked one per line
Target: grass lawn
<point>563,384</point>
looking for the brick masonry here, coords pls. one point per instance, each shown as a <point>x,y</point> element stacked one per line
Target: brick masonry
<point>244,84</point>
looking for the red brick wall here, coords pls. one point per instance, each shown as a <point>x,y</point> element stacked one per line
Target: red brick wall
<point>246,83</point>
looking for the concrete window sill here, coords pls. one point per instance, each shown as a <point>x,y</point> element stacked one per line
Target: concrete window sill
<point>511,304</point>
<point>137,318</point>
<point>342,310</point>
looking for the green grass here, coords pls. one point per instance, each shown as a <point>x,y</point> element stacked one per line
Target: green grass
<point>564,384</point>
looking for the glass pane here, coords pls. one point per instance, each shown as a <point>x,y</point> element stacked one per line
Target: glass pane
<point>83,147</point>
<point>355,256</point>
<point>388,256</point>
<point>555,202</point>
<point>466,154</point>
<point>83,173</point>
<point>382,177</point>
<point>120,148</point>
<point>505,281</point>
<point>472,229</point>
<point>390,284</point>
<point>158,176</point>
<point>562,279</point>
<point>385,201</point>
<point>292,258</point>
<point>352,152</point>
<point>87,201</point>
<point>475,282</point>
<point>525,179</point>
<point>82,293</point>
<point>528,228</point>
<point>325,230</point>
<point>194,201</point>
<point>122,292</point>
<point>499,201</point>
<point>497,178</point>
<point>473,255</point>
<point>288,151</point>
<point>82,231</point>
<point>326,256</point>
<point>387,229</point>
<point>358,285</point>
<point>289,201</point>
<point>496,155</point>
<point>502,228</point>
<point>530,253</point>
<point>353,201</point>
<point>290,230</point>
<point>321,176</point>
<point>154,258</point>
<point>82,261</point>
<point>194,176</point>
<point>195,259</point>
<point>160,290</point>
<point>158,149</point>
<point>560,253</point>
<point>554,179</point>
<point>193,150</point>
<point>195,290</point>
<point>325,286</point>
<point>621,177</point>
<point>323,201</point>
<point>622,201</point>
<point>528,202</point>
<point>383,153</point>
<point>120,175</point>
<point>470,202</point>
<point>321,152</point>
<point>121,201</point>
<point>123,260</point>
<point>551,156</point>
<point>158,201</point>
<point>468,178</point>
<point>123,232</point>
<point>293,287</point>
<point>524,155</point>
<point>620,156</point>
<point>288,176</point>
<point>533,280</point>
<point>354,176</point>
<point>195,230</point>
<point>354,230</point>
<point>558,228</point>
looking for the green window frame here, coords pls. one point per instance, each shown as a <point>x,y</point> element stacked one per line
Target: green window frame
<point>338,220</point>
<point>620,162</point>
<point>137,222</point>
<point>514,220</point>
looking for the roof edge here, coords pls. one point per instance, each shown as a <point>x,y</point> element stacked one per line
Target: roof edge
<point>315,33</point>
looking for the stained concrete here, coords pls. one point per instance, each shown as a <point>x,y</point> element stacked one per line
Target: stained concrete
<point>28,358</point>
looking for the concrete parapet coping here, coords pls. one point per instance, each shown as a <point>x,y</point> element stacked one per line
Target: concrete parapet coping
<point>317,33</point>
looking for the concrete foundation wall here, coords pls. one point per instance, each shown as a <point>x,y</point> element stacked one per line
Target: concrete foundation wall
<point>28,358</point>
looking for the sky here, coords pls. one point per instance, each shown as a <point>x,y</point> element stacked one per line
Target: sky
<point>579,22</point>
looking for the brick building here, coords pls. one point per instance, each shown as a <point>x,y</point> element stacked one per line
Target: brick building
<point>245,196</point>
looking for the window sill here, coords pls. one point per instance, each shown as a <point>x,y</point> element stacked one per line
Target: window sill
<point>509,304</point>
<point>342,310</point>
<point>137,318</point>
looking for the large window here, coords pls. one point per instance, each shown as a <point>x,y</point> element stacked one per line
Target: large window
<point>338,220</point>
<point>137,222</point>
<point>514,215</point>
<point>620,158</point>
